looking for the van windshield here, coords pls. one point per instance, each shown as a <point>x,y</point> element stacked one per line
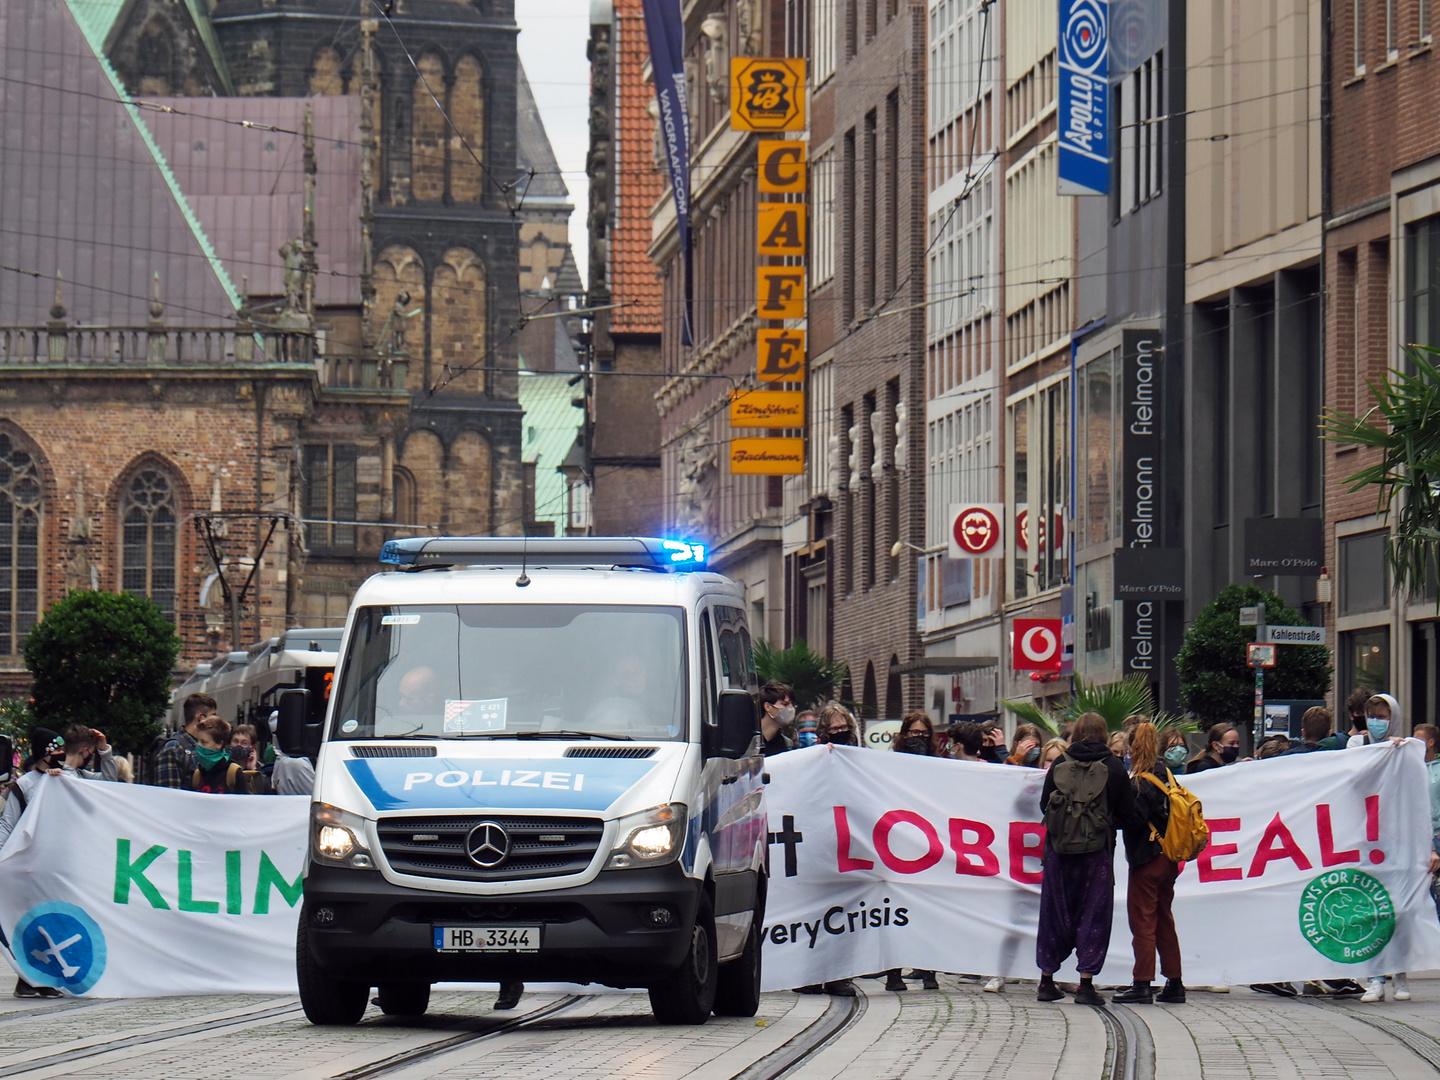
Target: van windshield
<point>513,670</point>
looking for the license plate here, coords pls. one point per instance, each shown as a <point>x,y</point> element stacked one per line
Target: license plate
<point>487,939</point>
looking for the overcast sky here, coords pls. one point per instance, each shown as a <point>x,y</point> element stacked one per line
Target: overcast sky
<point>553,34</point>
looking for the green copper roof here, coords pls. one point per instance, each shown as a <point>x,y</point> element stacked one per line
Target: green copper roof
<point>548,430</point>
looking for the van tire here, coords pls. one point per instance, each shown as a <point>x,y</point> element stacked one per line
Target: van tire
<point>403,999</point>
<point>737,992</point>
<point>327,1001</point>
<point>688,994</point>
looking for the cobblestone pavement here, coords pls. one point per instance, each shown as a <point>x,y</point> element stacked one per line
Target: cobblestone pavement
<point>957,1032</point>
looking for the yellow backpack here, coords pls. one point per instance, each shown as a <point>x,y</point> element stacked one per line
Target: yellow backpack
<point>1186,834</point>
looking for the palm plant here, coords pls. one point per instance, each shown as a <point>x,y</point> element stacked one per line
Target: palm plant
<point>812,678</point>
<point>1114,701</point>
<point>1404,425</point>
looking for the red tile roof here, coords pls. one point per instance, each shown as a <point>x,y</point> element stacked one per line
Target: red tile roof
<point>637,182</point>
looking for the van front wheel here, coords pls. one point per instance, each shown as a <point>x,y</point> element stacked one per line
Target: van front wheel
<point>326,1000</point>
<point>738,991</point>
<point>688,995</point>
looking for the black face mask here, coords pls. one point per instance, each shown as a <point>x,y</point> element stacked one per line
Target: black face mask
<point>915,744</point>
<point>1228,754</point>
<point>845,738</point>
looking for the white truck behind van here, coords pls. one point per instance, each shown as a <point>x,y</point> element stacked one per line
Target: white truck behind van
<point>540,761</point>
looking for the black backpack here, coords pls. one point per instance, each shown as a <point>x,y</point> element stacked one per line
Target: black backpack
<point>1077,815</point>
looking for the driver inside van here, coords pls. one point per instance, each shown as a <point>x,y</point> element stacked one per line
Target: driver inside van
<point>418,692</point>
<point>630,703</point>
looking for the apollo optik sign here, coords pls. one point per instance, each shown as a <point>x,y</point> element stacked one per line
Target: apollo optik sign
<point>1084,130</point>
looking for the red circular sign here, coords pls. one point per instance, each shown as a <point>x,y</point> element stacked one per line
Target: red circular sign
<point>1022,531</point>
<point>976,530</point>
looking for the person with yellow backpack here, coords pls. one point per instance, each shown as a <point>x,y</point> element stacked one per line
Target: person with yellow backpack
<point>1169,829</point>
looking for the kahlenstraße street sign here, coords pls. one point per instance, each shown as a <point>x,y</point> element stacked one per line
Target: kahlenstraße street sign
<point>1295,635</point>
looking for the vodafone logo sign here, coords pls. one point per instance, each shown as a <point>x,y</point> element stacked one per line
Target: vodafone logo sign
<point>975,530</point>
<point>1036,645</point>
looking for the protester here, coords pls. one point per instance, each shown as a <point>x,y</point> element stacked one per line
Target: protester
<point>1174,749</point>
<point>837,725</point>
<point>215,773</point>
<point>1120,747</point>
<point>1051,751</point>
<point>1274,746</point>
<point>1086,797</point>
<point>1317,725</point>
<point>966,740</point>
<point>806,724</point>
<point>992,737</point>
<point>85,746</point>
<point>916,736</point>
<point>245,752</point>
<point>1222,747</point>
<point>47,758</point>
<point>1382,716</point>
<point>1355,710</point>
<point>1025,747</point>
<point>1150,893</point>
<point>1429,734</point>
<point>291,775</point>
<point>777,718</point>
<point>177,761</point>
<point>124,771</point>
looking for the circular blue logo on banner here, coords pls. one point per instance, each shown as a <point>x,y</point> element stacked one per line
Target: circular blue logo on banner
<point>1084,34</point>
<point>58,945</point>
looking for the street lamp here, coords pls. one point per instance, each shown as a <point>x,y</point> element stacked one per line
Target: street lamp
<point>899,544</point>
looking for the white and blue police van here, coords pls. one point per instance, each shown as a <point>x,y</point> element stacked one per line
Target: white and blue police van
<point>540,761</point>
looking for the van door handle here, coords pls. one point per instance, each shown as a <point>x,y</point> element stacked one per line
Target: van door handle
<point>730,779</point>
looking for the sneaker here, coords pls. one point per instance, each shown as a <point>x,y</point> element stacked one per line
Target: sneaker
<point>509,995</point>
<point>1173,994</point>
<point>994,985</point>
<point>1088,995</point>
<point>1343,988</point>
<point>1279,989</point>
<point>1374,991</point>
<point>50,992</point>
<point>1139,993</point>
<point>1402,988</point>
<point>1049,991</point>
<point>25,990</point>
<point>895,984</point>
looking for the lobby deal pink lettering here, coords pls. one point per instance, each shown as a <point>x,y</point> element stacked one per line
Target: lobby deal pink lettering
<point>1277,843</point>
<point>1021,849</point>
<point>967,851</point>
<point>972,843</point>
<point>1328,855</point>
<point>842,845</point>
<point>1206,860</point>
<point>887,822</point>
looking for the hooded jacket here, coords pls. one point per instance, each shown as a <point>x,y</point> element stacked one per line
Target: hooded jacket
<point>1397,726</point>
<point>1118,793</point>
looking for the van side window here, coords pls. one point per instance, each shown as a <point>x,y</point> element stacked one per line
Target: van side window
<point>752,681</point>
<point>732,659</point>
<point>707,670</point>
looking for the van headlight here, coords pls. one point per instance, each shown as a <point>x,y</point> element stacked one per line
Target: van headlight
<point>650,838</point>
<point>337,838</point>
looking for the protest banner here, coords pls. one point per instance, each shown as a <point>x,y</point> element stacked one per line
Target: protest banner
<point>115,890</point>
<point>1317,869</point>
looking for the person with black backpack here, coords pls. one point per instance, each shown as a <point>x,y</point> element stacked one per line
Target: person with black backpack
<point>1086,797</point>
<point>175,761</point>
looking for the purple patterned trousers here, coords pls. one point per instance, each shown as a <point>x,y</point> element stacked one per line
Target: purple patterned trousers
<point>1077,903</point>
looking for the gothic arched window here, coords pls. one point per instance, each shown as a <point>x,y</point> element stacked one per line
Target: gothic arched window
<point>147,525</point>
<point>20,506</point>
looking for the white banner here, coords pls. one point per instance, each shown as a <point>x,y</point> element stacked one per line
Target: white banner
<point>116,890</point>
<point>1317,869</point>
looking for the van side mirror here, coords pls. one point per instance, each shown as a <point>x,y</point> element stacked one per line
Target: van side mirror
<point>294,733</point>
<point>7,759</point>
<point>736,726</point>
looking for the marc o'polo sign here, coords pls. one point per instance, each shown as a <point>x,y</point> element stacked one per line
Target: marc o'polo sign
<point>1150,573</point>
<point>1284,547</point>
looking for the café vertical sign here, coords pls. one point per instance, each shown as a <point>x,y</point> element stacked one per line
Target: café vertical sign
<point>767,97</point>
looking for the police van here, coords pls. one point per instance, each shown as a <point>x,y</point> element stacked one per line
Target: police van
<point>540,762</point>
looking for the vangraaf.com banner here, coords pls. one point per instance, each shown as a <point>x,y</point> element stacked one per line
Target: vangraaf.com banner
<point>1317,869</point>
<point>114,890</point>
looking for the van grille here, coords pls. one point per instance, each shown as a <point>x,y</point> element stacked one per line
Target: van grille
<point>392,751</point>
<point>611,751</point>
<point>539,846</point>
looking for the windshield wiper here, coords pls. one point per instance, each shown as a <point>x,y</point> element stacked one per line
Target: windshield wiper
<point>537,735</point>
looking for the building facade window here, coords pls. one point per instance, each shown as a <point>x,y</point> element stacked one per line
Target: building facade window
<point>1422,282</point>
<point>21,507</point>
<point>1423,20</point>
<point>1098,407</point>
<point>822,218</point>
<point>1365,660</point>
<point>1364,574</point>
<point>1039,480</point>
<point>147,530</point>
<point>1140,113</point>
<point>329,497</point>
<point>1357,34</point>
<point>822,49</point>
<point>1392,31</point>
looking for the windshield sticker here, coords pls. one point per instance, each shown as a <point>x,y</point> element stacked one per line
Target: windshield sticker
<point>487,714</point>
<point>496,783</point>
<point>349,725</point>
<point>399,620</point>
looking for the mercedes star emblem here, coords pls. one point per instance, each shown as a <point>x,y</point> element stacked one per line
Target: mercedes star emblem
<point>488,844</point>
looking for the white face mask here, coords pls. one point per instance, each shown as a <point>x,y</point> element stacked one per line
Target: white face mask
<point>785,714</point>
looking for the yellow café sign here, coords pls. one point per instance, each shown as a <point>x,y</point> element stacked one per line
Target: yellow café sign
<point>767,93</point>
<point>767,408</point>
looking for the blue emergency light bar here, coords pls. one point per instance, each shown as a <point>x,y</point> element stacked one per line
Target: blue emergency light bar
<point>637,552</point>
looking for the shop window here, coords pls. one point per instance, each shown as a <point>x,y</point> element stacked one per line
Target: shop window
<point>1364,574</point>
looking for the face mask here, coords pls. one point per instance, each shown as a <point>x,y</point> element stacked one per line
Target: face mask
<point>1378,728</point>
<point>1229,753</point>
<point>210,758</point>
<point>785,714</point>
<point>845,738</point>
<point>240,753</point>
<point>1032,756</point>
<point>916,744</point>
<point>1175,756</point>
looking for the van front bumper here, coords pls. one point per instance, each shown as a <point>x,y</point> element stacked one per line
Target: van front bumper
<point>363,928</point>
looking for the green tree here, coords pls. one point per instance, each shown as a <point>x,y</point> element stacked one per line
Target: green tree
<point>103,660</point>
<point>16,720</point>
<point>812,678</point>
<point>1216,684</point>
<point>1404,426</point>
<point>1114,701</point>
